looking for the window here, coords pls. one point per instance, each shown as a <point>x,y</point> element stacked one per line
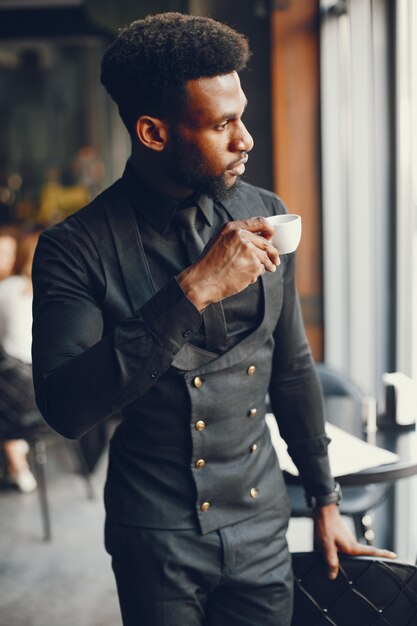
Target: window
<point>61,140</point>
<point>357,182</point>
<point>406,136</point>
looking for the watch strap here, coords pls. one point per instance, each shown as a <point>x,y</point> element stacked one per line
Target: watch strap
<point>334,497</point>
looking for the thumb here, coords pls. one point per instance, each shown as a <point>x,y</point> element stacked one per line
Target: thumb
<point>259,225</point>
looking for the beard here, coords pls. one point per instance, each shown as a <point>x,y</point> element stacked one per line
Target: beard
<point>187,169</point>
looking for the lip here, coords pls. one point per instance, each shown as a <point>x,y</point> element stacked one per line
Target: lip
<point>238,168</point>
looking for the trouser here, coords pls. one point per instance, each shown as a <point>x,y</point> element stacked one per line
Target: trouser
<point>239,575</point>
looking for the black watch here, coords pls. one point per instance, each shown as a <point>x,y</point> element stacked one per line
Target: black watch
<point>334,497</point>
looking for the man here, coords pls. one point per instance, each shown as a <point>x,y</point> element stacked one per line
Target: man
<point>132,317</point>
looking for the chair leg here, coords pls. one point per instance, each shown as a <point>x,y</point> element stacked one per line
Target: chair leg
<point>39,449</point>
<point>77,453</point>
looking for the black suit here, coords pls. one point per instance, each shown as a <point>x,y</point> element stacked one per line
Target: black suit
<point>106,343</point>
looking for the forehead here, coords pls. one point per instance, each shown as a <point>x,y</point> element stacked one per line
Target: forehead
<point>209,99</point>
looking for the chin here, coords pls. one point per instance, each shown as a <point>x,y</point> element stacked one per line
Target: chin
<point>225,191</point>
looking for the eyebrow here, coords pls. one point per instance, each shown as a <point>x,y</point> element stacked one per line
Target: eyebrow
<point>230,116</point>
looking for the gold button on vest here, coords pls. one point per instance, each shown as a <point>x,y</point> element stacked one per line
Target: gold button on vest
<point>254,447</point>
<point>251,370</point>
<point>205,506</point>
<point>254,492</point>
<point>200,425</point>
<point>200,463</point>
<point>252,412</point>
<point>197,382</point>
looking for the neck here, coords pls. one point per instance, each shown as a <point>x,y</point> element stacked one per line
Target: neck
<point>149,167</point>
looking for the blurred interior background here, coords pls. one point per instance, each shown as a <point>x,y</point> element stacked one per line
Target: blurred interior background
<point>332,90</point>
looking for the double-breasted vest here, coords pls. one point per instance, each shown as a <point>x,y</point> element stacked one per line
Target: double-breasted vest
<point>222,468</point>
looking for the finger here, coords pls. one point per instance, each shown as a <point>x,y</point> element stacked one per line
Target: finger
<point>262,269</point>
<point>266,261</point>
<point>257,225</point>
<point>263,244</point>
<point>332,559</point>
<point>361,549</point>
<point>259,270</point>
<point>263,256</point>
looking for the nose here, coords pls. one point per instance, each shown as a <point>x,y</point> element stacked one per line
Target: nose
<point>242,141</point>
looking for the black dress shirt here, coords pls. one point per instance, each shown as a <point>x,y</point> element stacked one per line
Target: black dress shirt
<point>167,255</point>
<point>104,344</point>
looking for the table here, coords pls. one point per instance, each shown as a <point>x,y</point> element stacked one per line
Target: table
<point>401,440</point>
<point>398,513</point>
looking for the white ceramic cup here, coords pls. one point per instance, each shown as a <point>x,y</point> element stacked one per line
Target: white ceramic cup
<point>287,233</point>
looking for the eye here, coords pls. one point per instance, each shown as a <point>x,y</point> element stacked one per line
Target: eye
<point>222,126</point>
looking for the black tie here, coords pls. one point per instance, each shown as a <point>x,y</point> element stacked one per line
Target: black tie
<point>213,315</point>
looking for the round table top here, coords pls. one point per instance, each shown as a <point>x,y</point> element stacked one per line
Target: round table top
<point>401,440</point>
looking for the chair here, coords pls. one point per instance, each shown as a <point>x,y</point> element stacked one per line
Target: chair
<point>37,436</point>
<point>368,591</point>
<point>357,502</point>
<point>20,419</point>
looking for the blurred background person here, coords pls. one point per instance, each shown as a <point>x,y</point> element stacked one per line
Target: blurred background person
<point>16,389</point>
<point>8,246</point>
<point>57,201</point>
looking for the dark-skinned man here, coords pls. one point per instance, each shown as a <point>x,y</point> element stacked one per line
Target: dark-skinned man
<point>165,302</point>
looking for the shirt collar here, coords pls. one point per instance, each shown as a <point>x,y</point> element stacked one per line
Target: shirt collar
<point>159,209</point>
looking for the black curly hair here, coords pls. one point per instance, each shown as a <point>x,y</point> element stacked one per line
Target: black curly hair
<point>145,70</point>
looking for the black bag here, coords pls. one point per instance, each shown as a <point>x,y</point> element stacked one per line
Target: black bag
<point>367,592</point>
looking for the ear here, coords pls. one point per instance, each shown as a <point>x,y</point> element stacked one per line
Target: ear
<point>152,132</point>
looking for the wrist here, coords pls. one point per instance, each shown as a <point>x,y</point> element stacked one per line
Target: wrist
<point>194,289</point>
<point>319,501</point>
